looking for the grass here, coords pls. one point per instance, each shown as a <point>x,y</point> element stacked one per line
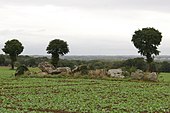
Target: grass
<point>165,77</point>
<point>82,95</point>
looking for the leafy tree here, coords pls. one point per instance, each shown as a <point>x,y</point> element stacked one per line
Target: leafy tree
<point>57,47</point>
<point>146,41</point>
<point>13,48</point>
<point>2,60</point>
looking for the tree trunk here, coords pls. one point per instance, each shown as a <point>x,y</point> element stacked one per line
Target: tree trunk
<point>12,65</point>
<point>13,59</point>
<point>55,59</point>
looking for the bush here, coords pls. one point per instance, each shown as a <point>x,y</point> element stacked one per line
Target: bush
<point>21,70</point>
<point>84,70</point>
<point>129,70</point>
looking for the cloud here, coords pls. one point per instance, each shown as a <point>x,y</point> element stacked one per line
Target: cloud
<point>155,5</point>
<point>35,42</point>
<point>89,26</point>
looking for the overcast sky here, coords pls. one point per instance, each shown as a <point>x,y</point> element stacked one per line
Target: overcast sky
<point>90,27</point>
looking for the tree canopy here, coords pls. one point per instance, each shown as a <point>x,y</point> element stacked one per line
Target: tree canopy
<point>13,48</point>
<point>57,47</point>
<point>147,41</point>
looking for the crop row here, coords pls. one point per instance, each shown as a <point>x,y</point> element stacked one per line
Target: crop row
<point>83,95</point>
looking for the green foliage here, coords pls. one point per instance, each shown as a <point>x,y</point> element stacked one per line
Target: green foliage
<point>155,67</point>
<point>57,47</point>
<point>82,95</point>
<point>68,63</point>
<point>21,70</point>
<point>146,41</point>
<point>126,74</point>
<point>165,67</point>
<point>83,69</point>
<point>138,63</point>
<point>2,60</point>
<point>129,69</point>
<point>13,48</point>
<point>29,61</point>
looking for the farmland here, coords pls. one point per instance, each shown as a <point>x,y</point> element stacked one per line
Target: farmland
<point>82,95</point>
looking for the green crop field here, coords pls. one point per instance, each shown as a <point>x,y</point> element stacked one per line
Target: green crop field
<point>82,95</point>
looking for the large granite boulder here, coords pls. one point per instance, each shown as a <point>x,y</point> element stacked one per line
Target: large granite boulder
<point>138,75</point>
<point>64,70</point>
<point>151,77</point>
<point>116,73</point>
<point>48,68</point>
<point>97,72</point>
<point>146,76</point>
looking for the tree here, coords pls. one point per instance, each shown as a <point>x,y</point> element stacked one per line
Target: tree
<point>146,41</point>
<point>2,60</point>
<point>13,48</point>
<point>57,47</point>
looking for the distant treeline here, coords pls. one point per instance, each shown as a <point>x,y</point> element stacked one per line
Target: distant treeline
<point>129,65</point>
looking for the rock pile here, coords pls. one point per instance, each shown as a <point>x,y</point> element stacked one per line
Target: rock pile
<point>146,76</point>
<point>48,68</point>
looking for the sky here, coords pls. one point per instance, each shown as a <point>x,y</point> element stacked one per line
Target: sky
<point>90,27</point>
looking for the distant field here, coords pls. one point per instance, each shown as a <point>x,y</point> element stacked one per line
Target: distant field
<point>82,95</point>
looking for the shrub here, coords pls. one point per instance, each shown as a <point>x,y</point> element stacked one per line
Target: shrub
<point>21,70</point>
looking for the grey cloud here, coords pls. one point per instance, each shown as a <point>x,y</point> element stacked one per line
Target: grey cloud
<point>162,5</point>
<point>34,41</point>
<point>36,44</point>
